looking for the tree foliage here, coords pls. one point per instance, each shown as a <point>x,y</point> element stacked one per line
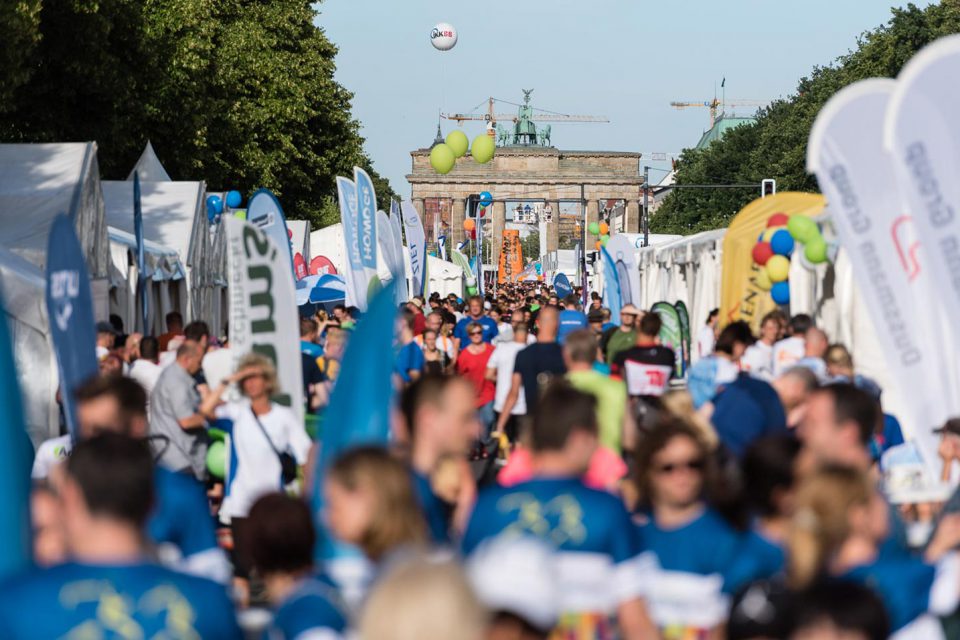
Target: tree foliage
<point>240,93</point>
<point>775,146</point>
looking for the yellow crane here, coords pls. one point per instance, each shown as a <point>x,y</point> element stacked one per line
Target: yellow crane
<point>716,104</point>
<point>492,117</point>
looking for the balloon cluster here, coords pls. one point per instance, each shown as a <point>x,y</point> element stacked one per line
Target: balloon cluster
<point>443,156</point>
<point>601,229</point>
<point>215,204</point>
<point>775,246</point>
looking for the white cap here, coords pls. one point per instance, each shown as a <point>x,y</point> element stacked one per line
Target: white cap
<point>487,305</point>
<point>518,575</point>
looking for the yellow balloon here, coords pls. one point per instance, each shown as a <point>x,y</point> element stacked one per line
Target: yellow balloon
<point>763,280</point>
<point>778,268</point>
<point>442,158</point>
<point>458,142</point>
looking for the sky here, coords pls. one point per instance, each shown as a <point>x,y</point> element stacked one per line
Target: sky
<point>623,59</point>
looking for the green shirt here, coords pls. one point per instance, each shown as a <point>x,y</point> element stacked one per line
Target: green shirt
<point>611,398</point>
<point>620,341</point>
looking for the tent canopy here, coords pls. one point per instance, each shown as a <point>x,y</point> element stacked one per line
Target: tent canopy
<point>174,217</point>
<point>40,181</point>
<point>149,166</point>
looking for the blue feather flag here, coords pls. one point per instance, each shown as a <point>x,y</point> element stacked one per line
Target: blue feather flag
<point>15,460</point>
<point>612,292</point>
<point>361,403</point>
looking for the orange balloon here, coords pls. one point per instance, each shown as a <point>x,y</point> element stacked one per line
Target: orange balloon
<point>598,245</point>
<point>604,228</point>
<point>469,224</point>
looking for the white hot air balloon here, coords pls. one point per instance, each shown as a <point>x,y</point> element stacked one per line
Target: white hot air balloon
<point>443,37</point>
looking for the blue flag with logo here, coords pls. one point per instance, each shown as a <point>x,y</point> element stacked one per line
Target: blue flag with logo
<point>366,222</point>
<point>612,292</point>
<point>70,314</point>
<point>264,211</point>
<point>141,260</point>
<point>15,458</point>
<point>362,400</point>
<point>561,284</point>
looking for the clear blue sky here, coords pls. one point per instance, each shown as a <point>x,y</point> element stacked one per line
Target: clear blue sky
<point>624,59</point>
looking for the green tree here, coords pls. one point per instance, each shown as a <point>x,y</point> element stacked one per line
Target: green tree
<point>775,146</point>
<point>531,246</point>
<point>236,92</point>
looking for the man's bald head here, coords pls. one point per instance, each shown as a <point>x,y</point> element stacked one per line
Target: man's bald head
<point>816,343</point>
<point>548,322</point>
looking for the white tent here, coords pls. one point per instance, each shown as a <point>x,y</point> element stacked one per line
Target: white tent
<point>40,181</point>
<point>22,289</point>
<point>149,166</point>
<point>174,217</point>
<point>166,289</point>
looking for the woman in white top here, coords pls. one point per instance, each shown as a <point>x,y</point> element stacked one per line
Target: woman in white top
<point>261,431</point>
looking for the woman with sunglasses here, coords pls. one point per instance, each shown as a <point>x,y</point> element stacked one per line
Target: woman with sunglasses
<point>472,365</point>
<point>691,548</point>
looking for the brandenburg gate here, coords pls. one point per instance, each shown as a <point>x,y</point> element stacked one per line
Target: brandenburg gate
<point>527,169</point>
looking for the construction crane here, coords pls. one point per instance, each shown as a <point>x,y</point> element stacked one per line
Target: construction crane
<point>716,104</point>
<point>492,117</point>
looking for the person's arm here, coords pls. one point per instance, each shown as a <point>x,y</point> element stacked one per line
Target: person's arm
<point>629,437</point>
<point>208,407</point>
<point>509,403</point>
<point>635,621</point>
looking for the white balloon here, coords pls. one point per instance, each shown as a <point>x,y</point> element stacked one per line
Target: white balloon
<point>443,37</point>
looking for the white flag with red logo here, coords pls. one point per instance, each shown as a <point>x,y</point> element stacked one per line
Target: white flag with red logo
<point>846,153</point>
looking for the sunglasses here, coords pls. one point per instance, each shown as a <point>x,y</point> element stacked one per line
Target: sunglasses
<point>476,333</point>
<point>689,465</point>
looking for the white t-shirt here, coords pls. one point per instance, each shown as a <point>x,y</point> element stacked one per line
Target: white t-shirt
<point>146,373</point>
<point>444,343</point>
<point>706,341</point>
<point>757,360</point>
<point>257,470</point>
<point>502,359</point>
<point>50,453</point>
<point>787,353</point>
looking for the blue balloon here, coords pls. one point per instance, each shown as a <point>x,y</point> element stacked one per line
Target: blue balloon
<point>782,243</point>
<point>234,199</point>
<point>486,199</point>
<point>781,292</point>
<point>215,204</point>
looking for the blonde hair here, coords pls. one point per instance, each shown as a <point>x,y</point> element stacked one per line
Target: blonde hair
<point>397,519</point>
<point>423,600</point>
<point>267,370</point>
<point>821,520</point>
<point>679,403</point>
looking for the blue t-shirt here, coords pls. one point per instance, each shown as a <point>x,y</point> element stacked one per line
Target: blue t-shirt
<point>688,580</point>
<point>591,533</point>
<point>410,358</point>
<point>181,518</point>
<point>436,512</point>
<point>570,320</point>
<point>313,605</point>
<point>114,602</point>
<point>745,410</point>
<point>490,330</point>
<point>904,584</point>
<point>312,349</point>
<point>757,559</point>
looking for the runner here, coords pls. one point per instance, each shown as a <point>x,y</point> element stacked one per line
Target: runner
<point>475,315</point>
<point>707,337</point>
<point>616,340</point>
<point>472,365</point>
<point>500,368</point>
<point>646,367</point>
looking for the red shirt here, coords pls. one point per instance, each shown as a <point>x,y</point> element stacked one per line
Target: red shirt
<point>419,323</point>
<point>473,367</point>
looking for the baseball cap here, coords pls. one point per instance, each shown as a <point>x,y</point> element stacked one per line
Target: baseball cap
<point>950,426</point>
<point>106,327</point>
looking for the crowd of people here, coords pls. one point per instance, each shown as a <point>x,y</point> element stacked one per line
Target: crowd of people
<point>551,473</point>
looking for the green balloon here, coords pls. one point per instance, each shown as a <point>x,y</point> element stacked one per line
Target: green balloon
<point>217,459</point>
<point>458,142</point>
<point>471,291</point>
<point>483,148</point>
<point>816,250</point>
<point>802,228</point>
<point>594,228</point>
<point>604,239</point>
<point>442,158</point>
